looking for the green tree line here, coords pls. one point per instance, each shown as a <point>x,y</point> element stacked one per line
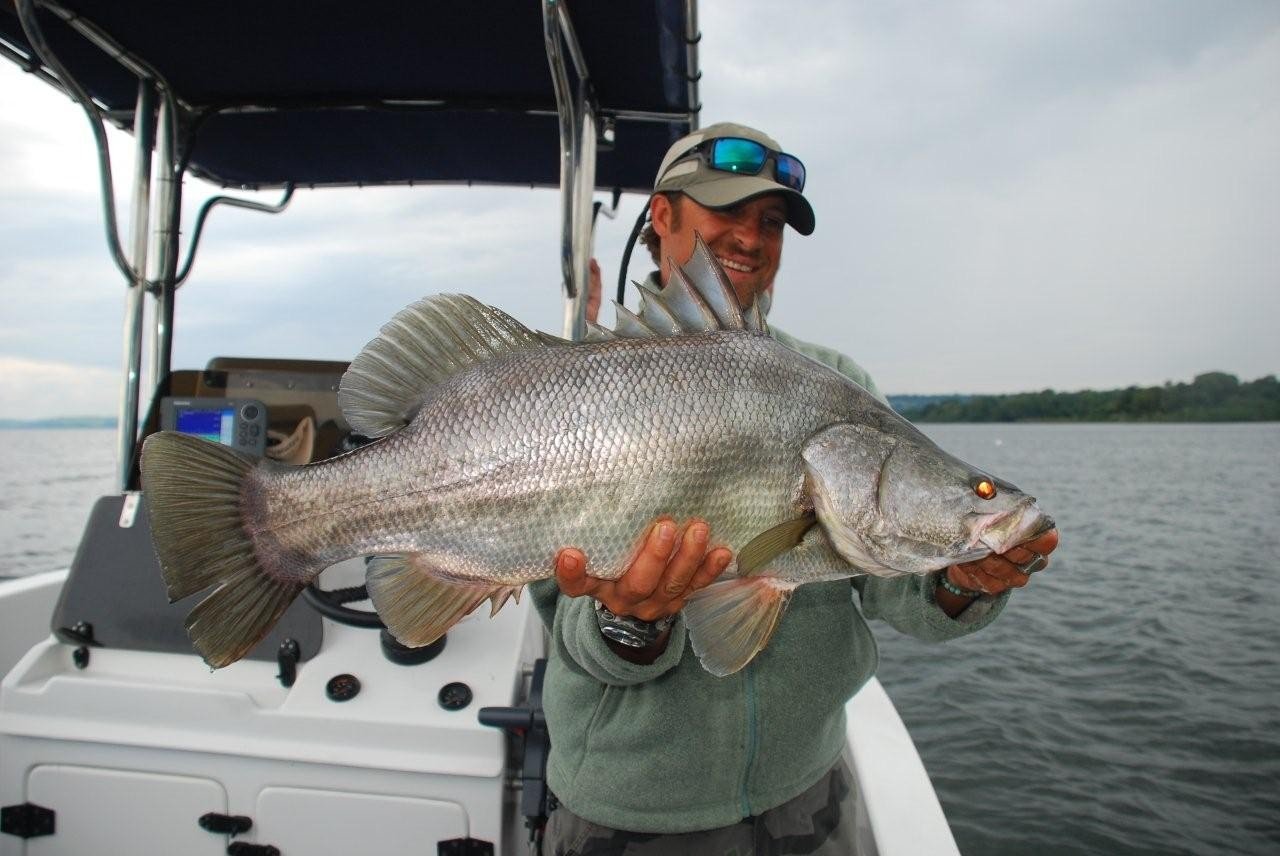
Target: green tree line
<point>1211,397</point>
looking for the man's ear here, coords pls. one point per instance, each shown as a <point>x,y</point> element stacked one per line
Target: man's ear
<point>660,214</point>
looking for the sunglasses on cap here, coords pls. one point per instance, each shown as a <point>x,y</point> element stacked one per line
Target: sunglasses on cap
<point>747,157</point>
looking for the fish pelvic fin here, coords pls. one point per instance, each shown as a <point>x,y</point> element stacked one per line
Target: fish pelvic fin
<point>698,298</point>
<point>420,347</point>
<point>418,605</point>
<point>730,622</point>
<point>193,496</point>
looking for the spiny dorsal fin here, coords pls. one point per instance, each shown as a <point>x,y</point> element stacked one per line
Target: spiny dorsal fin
<point>421,346</point>
<point>596,333</point>
<point>698,298</point>
<point>708,277</point>
<point>656,314</point>
<point>629,325</point>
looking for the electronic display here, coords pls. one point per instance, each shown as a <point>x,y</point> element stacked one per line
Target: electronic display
<point>240,423</point>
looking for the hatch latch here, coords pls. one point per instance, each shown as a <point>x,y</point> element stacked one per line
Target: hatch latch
<point>464,847</point>
<point>26,820</point>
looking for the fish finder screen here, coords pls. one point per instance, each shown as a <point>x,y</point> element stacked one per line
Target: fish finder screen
<point>215,425</point>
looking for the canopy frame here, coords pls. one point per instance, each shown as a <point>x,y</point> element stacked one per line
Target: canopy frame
<point>167,127</point>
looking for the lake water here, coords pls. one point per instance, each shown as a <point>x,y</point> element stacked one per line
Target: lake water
<point>1127,701</point>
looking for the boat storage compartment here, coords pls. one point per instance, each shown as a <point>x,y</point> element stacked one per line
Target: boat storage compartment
<point>302,820</point>
<point>107,812</point>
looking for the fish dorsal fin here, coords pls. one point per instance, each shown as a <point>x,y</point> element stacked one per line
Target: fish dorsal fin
<point>710,281</point>
<point>629,325</point>
<point>698,298</point>
<point>424,344</point>
<point>596,333</point>
<point>656,314</point>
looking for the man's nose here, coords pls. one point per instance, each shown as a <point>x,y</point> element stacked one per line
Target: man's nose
<point>748,233</point>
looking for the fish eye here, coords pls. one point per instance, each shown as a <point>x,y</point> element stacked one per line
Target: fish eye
<point>985,488</point>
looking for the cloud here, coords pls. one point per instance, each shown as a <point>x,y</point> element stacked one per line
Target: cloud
<point>1009,196</point>
<point>34,389</point>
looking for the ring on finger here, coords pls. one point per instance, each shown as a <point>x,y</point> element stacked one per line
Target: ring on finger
<point>1038,563</point>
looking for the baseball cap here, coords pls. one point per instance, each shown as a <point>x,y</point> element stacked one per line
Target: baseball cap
<point>714,188</point>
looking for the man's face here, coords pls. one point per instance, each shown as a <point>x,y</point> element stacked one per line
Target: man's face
<point>746,239</point>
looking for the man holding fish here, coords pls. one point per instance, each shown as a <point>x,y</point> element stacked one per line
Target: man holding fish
<point>650,753</point>
<point>500,446</point>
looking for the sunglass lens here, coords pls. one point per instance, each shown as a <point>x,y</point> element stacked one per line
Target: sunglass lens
<point>790,172</point>
<point>733,154</point>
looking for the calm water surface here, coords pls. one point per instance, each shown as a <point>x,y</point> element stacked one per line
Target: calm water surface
<point>49,480</point>
<point>1127,701</point>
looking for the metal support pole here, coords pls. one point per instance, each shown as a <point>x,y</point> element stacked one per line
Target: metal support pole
<point>165,238</point>
<point>577,162</point>
<point>582,228</point>
<point>144,134</point>
<point>692,36</point>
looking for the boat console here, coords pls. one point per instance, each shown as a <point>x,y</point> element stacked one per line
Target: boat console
<point>326,731</point>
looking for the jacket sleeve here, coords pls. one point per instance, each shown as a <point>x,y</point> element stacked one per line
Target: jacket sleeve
<point>907,604</point>
<point>575,634</point>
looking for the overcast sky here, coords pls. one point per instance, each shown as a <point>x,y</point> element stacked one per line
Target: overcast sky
<point>1010,196</point>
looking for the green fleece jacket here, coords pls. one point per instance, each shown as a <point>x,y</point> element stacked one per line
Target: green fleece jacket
<point>668,747</point>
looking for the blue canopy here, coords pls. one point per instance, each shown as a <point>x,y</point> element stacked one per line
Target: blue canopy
<point>383,91</point>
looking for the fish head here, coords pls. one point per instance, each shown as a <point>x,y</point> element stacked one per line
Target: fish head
<point>893,502</point>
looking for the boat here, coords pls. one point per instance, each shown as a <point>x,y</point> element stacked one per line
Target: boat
<point>329,737</point>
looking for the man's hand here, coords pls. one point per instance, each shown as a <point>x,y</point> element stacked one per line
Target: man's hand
<point>672,563</point>
<point>595,291</point>
<point>995,574</point>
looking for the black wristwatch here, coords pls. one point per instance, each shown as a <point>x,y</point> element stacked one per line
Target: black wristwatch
<point>629,631</point>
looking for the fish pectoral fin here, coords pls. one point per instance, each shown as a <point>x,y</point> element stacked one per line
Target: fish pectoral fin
<point>418,605</point>
<point>730,622</point>
<point>773,542</point>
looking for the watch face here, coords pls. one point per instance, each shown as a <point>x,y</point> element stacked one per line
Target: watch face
<point>629,631</point>
<point>621,636</point>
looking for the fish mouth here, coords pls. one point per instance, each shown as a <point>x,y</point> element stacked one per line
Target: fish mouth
<point>1000,531</point>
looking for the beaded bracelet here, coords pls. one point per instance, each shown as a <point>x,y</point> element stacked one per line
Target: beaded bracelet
<point>955,589</point>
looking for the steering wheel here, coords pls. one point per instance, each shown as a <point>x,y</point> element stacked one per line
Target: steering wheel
<point>333,605</point>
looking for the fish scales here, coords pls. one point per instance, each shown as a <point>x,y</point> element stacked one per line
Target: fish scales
<point>707,425</point>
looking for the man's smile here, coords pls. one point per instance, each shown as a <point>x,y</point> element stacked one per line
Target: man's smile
<point>742,267</point>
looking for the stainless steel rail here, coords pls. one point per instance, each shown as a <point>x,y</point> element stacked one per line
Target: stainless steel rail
<point>144,117</point>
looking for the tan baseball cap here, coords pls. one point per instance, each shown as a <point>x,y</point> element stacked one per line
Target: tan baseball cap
<point>713,188</point>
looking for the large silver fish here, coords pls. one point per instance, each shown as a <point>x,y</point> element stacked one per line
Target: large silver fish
<point>500,445</point>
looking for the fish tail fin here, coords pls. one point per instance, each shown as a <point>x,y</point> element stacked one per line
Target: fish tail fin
<point>730,622</point>
<point>194,490</point>
<point>418,605</point>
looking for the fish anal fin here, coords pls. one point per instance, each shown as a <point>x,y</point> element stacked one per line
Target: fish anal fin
<point>731,622</point>
<point>773,542</point>
<point>419,605</point>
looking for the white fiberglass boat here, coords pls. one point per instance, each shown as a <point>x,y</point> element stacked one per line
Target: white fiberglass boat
<point>329,738</point>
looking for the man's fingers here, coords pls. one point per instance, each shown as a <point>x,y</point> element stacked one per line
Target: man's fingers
<point>571,573</point>
<point>685,561</point>
<point>641,579</point>
<point>713,565</point>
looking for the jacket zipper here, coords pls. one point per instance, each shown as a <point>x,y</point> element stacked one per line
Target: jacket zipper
<point>750,680</point>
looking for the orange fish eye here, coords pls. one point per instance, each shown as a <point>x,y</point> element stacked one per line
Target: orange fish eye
<point>985,488</point>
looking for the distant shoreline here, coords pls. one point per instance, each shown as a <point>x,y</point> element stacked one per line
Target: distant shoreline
<point>1210,397</point>
<point>59,423</point>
